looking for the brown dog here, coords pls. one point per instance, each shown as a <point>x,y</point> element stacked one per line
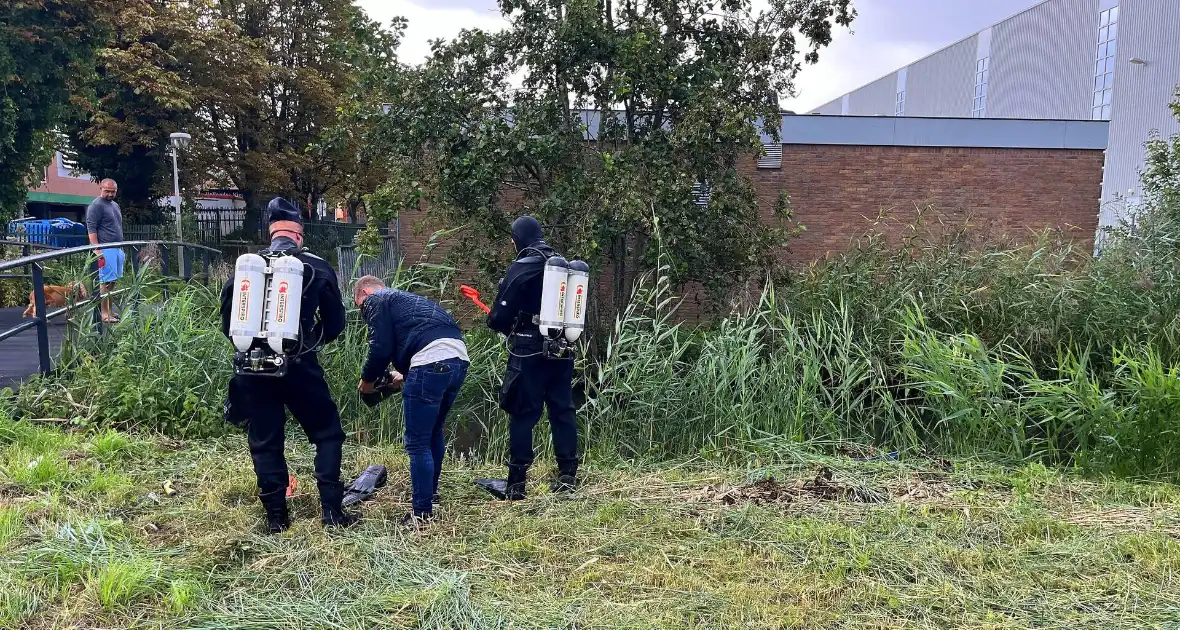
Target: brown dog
<point>57,296</point>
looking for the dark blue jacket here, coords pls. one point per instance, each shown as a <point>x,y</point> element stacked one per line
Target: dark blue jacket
<point>400,324</point>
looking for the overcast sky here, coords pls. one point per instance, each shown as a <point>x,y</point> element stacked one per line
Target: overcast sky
<point>885,36</point>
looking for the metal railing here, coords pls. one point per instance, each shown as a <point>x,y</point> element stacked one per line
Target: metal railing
<point>34,269</point>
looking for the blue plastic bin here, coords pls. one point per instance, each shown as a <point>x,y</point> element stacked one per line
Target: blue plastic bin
<point>52,232</point>
<point>67,233</point>
<point>29,230</point>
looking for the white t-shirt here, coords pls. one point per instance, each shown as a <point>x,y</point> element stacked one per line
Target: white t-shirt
<point>440,350</point>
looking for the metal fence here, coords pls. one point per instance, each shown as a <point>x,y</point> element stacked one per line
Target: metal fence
<point>213,227</point>
<point>219,224</point>
<point>327,236</point>
<point>32,263</point>
<point>352,266</point>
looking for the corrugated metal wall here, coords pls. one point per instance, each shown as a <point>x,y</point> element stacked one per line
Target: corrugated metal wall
<point>1042,62</point>
<point>1148,30</point>
<point>1042,66</point>
<point>831,108</point>
<point>878,97</point>
<point>943,83</point>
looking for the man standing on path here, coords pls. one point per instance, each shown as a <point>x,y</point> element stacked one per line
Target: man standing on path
<point>104,224</point>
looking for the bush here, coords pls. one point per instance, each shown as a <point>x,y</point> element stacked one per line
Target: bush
<point>942,343</point>
<point>1020,353</point>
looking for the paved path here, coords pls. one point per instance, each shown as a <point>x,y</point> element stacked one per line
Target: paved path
<point>18,355</point>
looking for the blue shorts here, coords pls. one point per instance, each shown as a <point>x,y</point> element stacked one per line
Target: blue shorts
<point>113,269</point>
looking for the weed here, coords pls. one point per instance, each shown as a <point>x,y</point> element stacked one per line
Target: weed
<point>110,446</point>
<point>120,583</point>
<point>641,544</point>
<point>183,596</point>
<point>19,602</point>
<point>28,469</point>
<point>11,524</point>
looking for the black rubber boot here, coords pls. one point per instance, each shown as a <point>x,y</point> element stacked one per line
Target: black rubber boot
<point>514,484</point>
<point>277,517</point>
<point>564,483</point>
<point>567,476</point>
<point>334,516</point>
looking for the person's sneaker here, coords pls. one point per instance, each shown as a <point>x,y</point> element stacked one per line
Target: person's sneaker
<point>564,483</point>
<point>416,519</point>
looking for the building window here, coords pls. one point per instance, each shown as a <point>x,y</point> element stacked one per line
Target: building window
<point>1108,31</point>
<point>979,103</point>
<point>773,157</point>
<point>899,106</point>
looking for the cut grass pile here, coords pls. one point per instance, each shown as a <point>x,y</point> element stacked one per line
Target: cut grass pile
<point>114,530</point>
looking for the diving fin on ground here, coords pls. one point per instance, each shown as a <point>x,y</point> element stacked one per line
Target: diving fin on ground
<point>496,487</point>
<point>365,486</point>
<point>500,489</point>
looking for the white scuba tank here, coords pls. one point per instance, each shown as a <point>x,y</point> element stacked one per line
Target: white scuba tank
<point>553,288</point>
<point>577,293</point>
<point>245,321</point>
<point>284,296</point>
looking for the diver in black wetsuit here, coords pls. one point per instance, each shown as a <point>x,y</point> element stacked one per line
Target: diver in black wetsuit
<point>532,381</point>
<point>260,403</point>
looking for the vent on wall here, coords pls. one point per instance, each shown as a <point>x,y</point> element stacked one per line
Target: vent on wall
<point>773,157</point>
<point>68,163</point>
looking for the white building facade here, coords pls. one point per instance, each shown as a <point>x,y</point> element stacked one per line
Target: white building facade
<point>1115,60</point>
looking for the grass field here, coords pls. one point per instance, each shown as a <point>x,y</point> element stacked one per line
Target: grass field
<point>114,530</point>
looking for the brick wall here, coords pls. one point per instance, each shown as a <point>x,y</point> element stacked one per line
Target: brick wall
<point>838,191</point>
<point>55,182</point>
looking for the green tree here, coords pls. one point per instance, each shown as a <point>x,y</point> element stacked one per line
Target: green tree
<point>1161,172</point>
<point>1148,240</point>
<point>350,150</point>
<point>47,52</point>
<point>623,108</point>
<point>261,123</point>
<point>145,88</point>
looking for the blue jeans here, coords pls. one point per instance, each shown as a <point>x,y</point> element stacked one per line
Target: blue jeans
<point>427,397</point>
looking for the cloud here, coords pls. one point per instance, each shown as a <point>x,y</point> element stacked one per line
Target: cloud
<point>442,20</point>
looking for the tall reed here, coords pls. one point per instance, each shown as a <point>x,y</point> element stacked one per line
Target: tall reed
<point>1025,353</point>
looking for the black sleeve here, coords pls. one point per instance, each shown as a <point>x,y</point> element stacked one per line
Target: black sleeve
<point>381,342</point>
<point>504,311</point>
<point>332,318</point>
<point>227,294</point>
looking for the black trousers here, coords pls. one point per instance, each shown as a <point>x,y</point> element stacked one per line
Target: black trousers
<point>533,384</point>
<point>265,400</point>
